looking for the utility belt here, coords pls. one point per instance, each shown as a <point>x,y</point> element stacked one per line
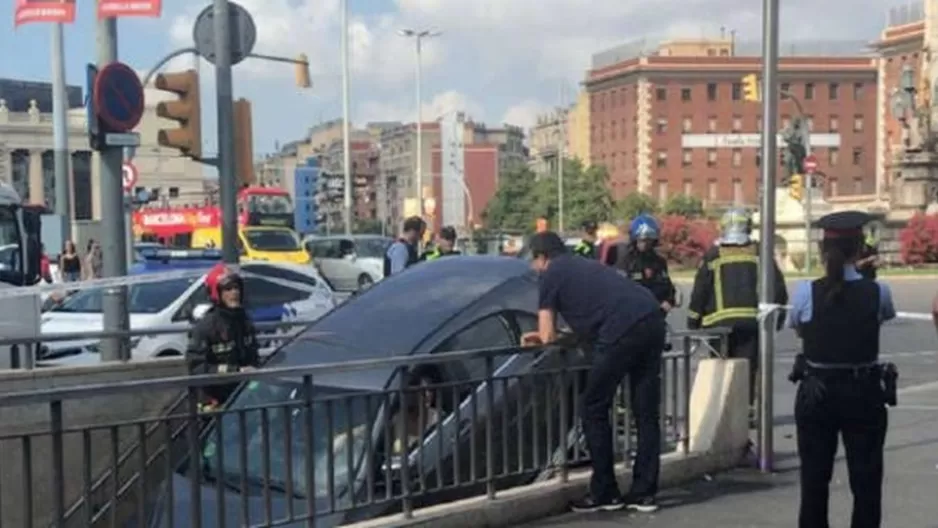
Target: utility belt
<point>887,374</point>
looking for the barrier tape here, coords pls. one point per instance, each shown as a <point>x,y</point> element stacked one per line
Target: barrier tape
<point>767,309</point>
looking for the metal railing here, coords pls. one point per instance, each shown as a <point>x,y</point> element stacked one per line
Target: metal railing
<point>286,450</point>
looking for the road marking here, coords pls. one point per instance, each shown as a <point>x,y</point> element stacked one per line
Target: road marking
<point>901,407</point>
<point>921,387</point>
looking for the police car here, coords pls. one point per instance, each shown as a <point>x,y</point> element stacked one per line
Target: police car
<point>273,292</point>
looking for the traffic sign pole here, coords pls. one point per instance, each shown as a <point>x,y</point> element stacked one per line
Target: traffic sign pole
<point>227,171</point>
<point>810,166</point>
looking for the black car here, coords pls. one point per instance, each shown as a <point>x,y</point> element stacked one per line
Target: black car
<point>461,303</point>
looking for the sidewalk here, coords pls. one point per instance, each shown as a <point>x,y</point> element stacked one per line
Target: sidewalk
<point>746,498</point>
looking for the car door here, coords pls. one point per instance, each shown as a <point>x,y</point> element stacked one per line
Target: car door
<point>327,255</point>
<point>269,302</point>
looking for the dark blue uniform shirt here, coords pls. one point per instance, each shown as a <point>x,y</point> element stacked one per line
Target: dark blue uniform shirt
<point>596,301</point>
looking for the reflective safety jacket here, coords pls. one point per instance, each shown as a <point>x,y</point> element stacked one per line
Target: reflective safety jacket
<point>726,289</point>
<point>585,248</point>
<point>436,253</point>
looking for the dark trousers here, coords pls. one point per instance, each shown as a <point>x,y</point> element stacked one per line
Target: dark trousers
<point>854,409</point>
<point>743,343</point>
<point>638,356</point>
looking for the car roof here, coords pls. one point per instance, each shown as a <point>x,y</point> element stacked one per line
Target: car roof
<point>399,313</point>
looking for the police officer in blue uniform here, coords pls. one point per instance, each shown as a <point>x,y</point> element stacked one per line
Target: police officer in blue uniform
<point>403,253</point>
<point>843,389</point>
<point>625,326</point>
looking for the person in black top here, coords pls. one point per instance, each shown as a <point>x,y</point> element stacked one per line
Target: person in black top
<point>625,326</point>
<point>403,253</point>
<point>644,265</point>
<point>587,245</point>
<point>842,388</point>
<point>445,245</point>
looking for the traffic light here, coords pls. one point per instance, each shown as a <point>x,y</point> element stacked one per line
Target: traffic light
<point>244,142</point>
<point>187,110</point>
<point>302,72</point>
<point>751,88</point>
<point>796,187</point>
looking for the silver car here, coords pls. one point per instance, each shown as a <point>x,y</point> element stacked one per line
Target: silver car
<point>349,262</point>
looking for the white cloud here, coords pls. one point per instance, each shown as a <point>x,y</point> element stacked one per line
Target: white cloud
<point>441,104</point>
<point>524,114</point>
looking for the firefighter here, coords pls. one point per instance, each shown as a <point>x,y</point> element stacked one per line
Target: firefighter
<point>843,389</point>
<point>224,339</point>
<point>725,292</point>
<point>587,245</point>
<point>644,265</point>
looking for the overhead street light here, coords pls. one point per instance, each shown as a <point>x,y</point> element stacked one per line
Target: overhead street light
<point>418,36</point>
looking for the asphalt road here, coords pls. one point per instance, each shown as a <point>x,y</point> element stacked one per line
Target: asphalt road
<point>746,498</point>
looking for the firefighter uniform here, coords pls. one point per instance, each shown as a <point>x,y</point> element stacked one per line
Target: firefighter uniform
<point>643,264</point>
<point>842,388</point>
<point>725,292</point>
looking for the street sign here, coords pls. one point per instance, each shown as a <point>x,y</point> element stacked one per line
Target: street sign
<point>128,139</point>
<point>118,97</point>
<point>129,176</point>
<point>241,30</point>
<point>810,164</point>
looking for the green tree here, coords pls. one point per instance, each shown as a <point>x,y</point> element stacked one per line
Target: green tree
<point>684,205</point>
<point>634,205</point>
<point>513,205</point>
<point>586,195</point>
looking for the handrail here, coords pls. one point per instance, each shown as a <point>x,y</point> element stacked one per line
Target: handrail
<point>205,380</point>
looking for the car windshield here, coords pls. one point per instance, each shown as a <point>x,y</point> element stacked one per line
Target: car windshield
<point>372,247</point>
<point>340,422</point>
<point>149,298</point>
<point>272,240</point>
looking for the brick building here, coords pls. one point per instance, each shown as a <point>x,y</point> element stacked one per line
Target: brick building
<point>671,119</point>
<point>364,156</point>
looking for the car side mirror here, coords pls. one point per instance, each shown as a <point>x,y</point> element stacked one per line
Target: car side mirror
<point>199,311</point>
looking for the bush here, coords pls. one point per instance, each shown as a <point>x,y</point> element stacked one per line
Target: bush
<point>918,240</point>
<point>684,241</point>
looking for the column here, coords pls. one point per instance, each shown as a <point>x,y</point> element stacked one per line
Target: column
<point>36,193</point>
<point>6,164</point>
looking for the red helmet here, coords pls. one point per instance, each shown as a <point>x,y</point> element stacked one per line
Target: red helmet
<point>218,278</point>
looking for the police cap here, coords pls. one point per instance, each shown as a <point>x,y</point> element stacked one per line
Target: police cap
<point>845,224</point>
<point>448,233</point>
<point>547,244</point>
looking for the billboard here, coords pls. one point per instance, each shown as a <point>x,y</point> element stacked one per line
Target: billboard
<point>129,8</point>
<point>29,11</point>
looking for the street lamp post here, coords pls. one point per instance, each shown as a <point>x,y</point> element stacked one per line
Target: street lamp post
<point>346,133</point>
<point>418,36</point>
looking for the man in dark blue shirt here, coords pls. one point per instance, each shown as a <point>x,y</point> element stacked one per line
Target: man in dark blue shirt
<point>626,328</point>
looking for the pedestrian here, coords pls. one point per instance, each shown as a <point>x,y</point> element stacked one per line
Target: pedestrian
<point>843,389</point>
<point>625,327</point>
<point>587,245</point>
<point>403,253</point>
<point>726,293</point>
<point>69,263</point>
<point>445,245</point>
<point>94,263</point>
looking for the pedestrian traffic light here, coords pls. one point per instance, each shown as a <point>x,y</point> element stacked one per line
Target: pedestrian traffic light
<point>796,187</point>
<point>751,88</point>
<point>302,72</point>
<point>187,111</point>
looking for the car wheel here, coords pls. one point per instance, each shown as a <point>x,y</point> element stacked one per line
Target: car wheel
<point>364,282</point>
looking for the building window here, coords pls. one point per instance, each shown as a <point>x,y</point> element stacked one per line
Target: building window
<point>662,191</point>
<point>737,157</point>
<point>809,91</point>
<point>685,94</point>
<point>858,123</point>
<point>712,190</point>
<point>661,127</point>
<point>809,120</point>
<point>857,186</point>
<point>687,124</point>
<point>711,91</point>
<point>712,124</point>
<point>174,192</point>
<point>737,191</point>
<point>857,155</point>
<point>857,91</point>
<point>786,122</point>
<point>711,158</point>
<point>832,185</point>
<point>688,188</point>
<point>612,98</point>
<point>758,158</point>
<point>687,157</point>
<point>759,124</point>
<point>662,160</point>
<point>737,91</point>
<point>724,52</point>
<point>81,182</point>
<point>612,132</point>
<point>783,90</point>
<point>737,123</point>
<point>661,94</point>
<point>834,90</point>
<point>834,123</point>
<point>833,156</point>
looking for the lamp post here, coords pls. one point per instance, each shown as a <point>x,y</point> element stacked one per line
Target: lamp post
<point>419,36</point>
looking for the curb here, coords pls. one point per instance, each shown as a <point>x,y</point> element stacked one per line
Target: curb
<point>529,503</point>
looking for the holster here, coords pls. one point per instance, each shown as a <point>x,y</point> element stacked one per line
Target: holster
<point>890,384</point>
<point>798,369</point>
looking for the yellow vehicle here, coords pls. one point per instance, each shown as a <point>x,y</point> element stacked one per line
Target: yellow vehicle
<point>276,244</point>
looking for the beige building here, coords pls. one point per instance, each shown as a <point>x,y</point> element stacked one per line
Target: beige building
<point>578,129</point>
<point>397,181</point>
<point>548,135</point>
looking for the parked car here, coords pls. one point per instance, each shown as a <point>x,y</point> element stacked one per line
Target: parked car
<point>352,262</point>
<point>460,303</point>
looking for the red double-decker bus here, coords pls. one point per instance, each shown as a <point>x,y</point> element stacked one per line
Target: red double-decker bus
<point>265,206</point>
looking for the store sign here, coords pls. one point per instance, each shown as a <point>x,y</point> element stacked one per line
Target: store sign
<point>746,141</point>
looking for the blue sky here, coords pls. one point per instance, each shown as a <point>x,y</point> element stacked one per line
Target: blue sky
<point>496,59</point>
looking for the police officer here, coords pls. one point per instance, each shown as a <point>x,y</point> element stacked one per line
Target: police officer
<point>403,253</point>
<point>445,245</point>
<point>625,326</point>
<point>587,245</point>
<point>644,265</point>
<point>224,339</point>
<point>725,292</point>
<point>843,389</point>
<point>869,257</point>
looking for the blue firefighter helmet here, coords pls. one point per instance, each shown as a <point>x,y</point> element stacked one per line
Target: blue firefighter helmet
<point>644,227</point>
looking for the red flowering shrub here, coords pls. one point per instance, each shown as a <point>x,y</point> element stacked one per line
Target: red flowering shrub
<point>918,241</point>
<point>684,241</point>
